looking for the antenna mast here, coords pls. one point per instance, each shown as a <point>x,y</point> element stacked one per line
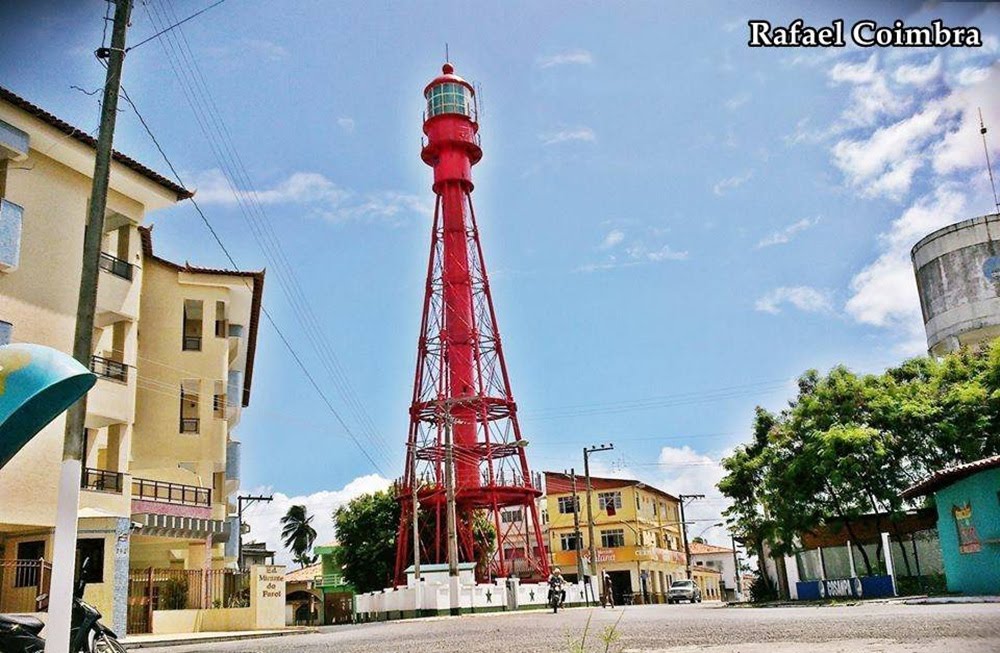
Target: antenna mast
<point>989,168</point>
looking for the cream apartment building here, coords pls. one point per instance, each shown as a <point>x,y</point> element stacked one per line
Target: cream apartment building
<point>141,468</point>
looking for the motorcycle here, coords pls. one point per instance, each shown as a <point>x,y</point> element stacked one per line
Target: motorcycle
<point>556,597</point>
<point>21,633</point>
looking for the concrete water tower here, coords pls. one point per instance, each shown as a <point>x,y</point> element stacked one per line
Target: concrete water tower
<point>958,279</point>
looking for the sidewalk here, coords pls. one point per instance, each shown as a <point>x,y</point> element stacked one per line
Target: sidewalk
<point>941,600</point>
<point>179,639</point>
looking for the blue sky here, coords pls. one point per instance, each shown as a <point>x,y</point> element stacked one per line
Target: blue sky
<point>676,225</point>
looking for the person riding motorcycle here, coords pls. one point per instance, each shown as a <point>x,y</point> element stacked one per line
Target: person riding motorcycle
<point>556,584</point>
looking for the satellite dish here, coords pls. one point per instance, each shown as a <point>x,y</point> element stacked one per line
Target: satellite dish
<point>245,529</point>
<point>37,384</point>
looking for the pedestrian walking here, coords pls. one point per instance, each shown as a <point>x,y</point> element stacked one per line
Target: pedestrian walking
<point>607,596</point>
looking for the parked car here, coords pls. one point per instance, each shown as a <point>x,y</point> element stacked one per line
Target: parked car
<point>683,590</point>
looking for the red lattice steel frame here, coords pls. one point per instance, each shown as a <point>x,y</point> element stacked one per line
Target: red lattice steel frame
<point>459,345</point>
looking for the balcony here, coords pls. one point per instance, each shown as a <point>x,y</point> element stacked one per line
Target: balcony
<point>116,266</point>
<point>117,295</point>
<point>102,480</point>
<point>235,336</point>
<point>109,369</point>
<point>112,400</point>
<point>11,216</point>
<point>190,425</point>
<point>176,493</point>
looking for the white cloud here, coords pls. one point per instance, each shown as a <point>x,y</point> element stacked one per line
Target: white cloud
<point>884,293</point>
<point>640,252</point>
<point>855,73</point>
<point>646,249</point>
<point>585,134</point>
<point>324,198</point>
<point>962,146</point>
<point>265,518</point>
<point>884,163</point>
<point>345,123</point>
<point>804,298</point>
<point>737,101</point>
<point>680,470</point>
<point>577,57</point>
<point>783,236</point>
<point>917,75</point>
<point>730,183</point>
<point>971,75</point>
<point>614,237</point>
<point>265,49</point>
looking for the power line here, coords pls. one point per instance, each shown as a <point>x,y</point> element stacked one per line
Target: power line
<point>267,314</point>
<point>177,24</point>
<point>207,114</point>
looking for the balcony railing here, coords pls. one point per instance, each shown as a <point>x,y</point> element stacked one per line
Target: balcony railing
<point>109,369</point>
<point>144,489</point>
<point>190,424</point>
<point>102,480</point>
<point>116,266</point>
<point>192,343</point>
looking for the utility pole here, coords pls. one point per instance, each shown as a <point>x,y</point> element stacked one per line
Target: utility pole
<point>416,509</point>
<point>57,631</point>
<point>684,531</point>
<point>590,508</point>
<point>449,481</point>
<point>738,580</point>
<point>577,536</point>
<point>249,500</point>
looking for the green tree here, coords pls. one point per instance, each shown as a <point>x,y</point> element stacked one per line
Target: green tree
<point>366,529</point>
<point>298,534</point>
<point>849,444</point>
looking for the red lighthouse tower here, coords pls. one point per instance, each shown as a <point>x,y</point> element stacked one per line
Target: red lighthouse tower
<point>461,388</point>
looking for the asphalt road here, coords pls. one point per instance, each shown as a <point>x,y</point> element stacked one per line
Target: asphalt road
<point>868,627</point>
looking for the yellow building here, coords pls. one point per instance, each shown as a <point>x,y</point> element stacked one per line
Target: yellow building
<point>45,180</point>
<point>173,349</point>
<point>636,533</point>
<point>197,341</point>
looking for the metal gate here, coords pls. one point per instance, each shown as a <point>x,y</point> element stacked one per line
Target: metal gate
<point>140,602</point>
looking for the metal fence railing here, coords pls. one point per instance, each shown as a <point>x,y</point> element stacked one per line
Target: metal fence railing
<point>191,495</point>
<point>191,589</point>
<point>101,480</point>
<point>22,582</point>
<point>116,266</point>
<point>109,369</point>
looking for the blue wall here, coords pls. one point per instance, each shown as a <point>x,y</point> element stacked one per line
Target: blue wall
<point>972,573</point>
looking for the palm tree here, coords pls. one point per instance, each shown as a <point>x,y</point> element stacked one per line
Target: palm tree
<point>298,535</point>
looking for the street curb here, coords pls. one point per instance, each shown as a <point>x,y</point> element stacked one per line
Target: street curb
<point>214,639</point>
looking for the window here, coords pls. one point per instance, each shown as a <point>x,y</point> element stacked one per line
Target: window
<point>511,516</point>
<point>566,505</point>
<point>567,541</point>
<point>90,560</point>
<point>219,400</point>
<point>221,323</point>
<point>26,574</point>
<point>189,422</point>
<point>613,538</point>
<point>192,325</point>
<point>449,98</point>
<point>6,332</point>
<point>605,499</point>
<point>545,516</point>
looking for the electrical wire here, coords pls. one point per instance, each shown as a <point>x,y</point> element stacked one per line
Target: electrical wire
<point>206,112</point>
<point>267,314</point>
